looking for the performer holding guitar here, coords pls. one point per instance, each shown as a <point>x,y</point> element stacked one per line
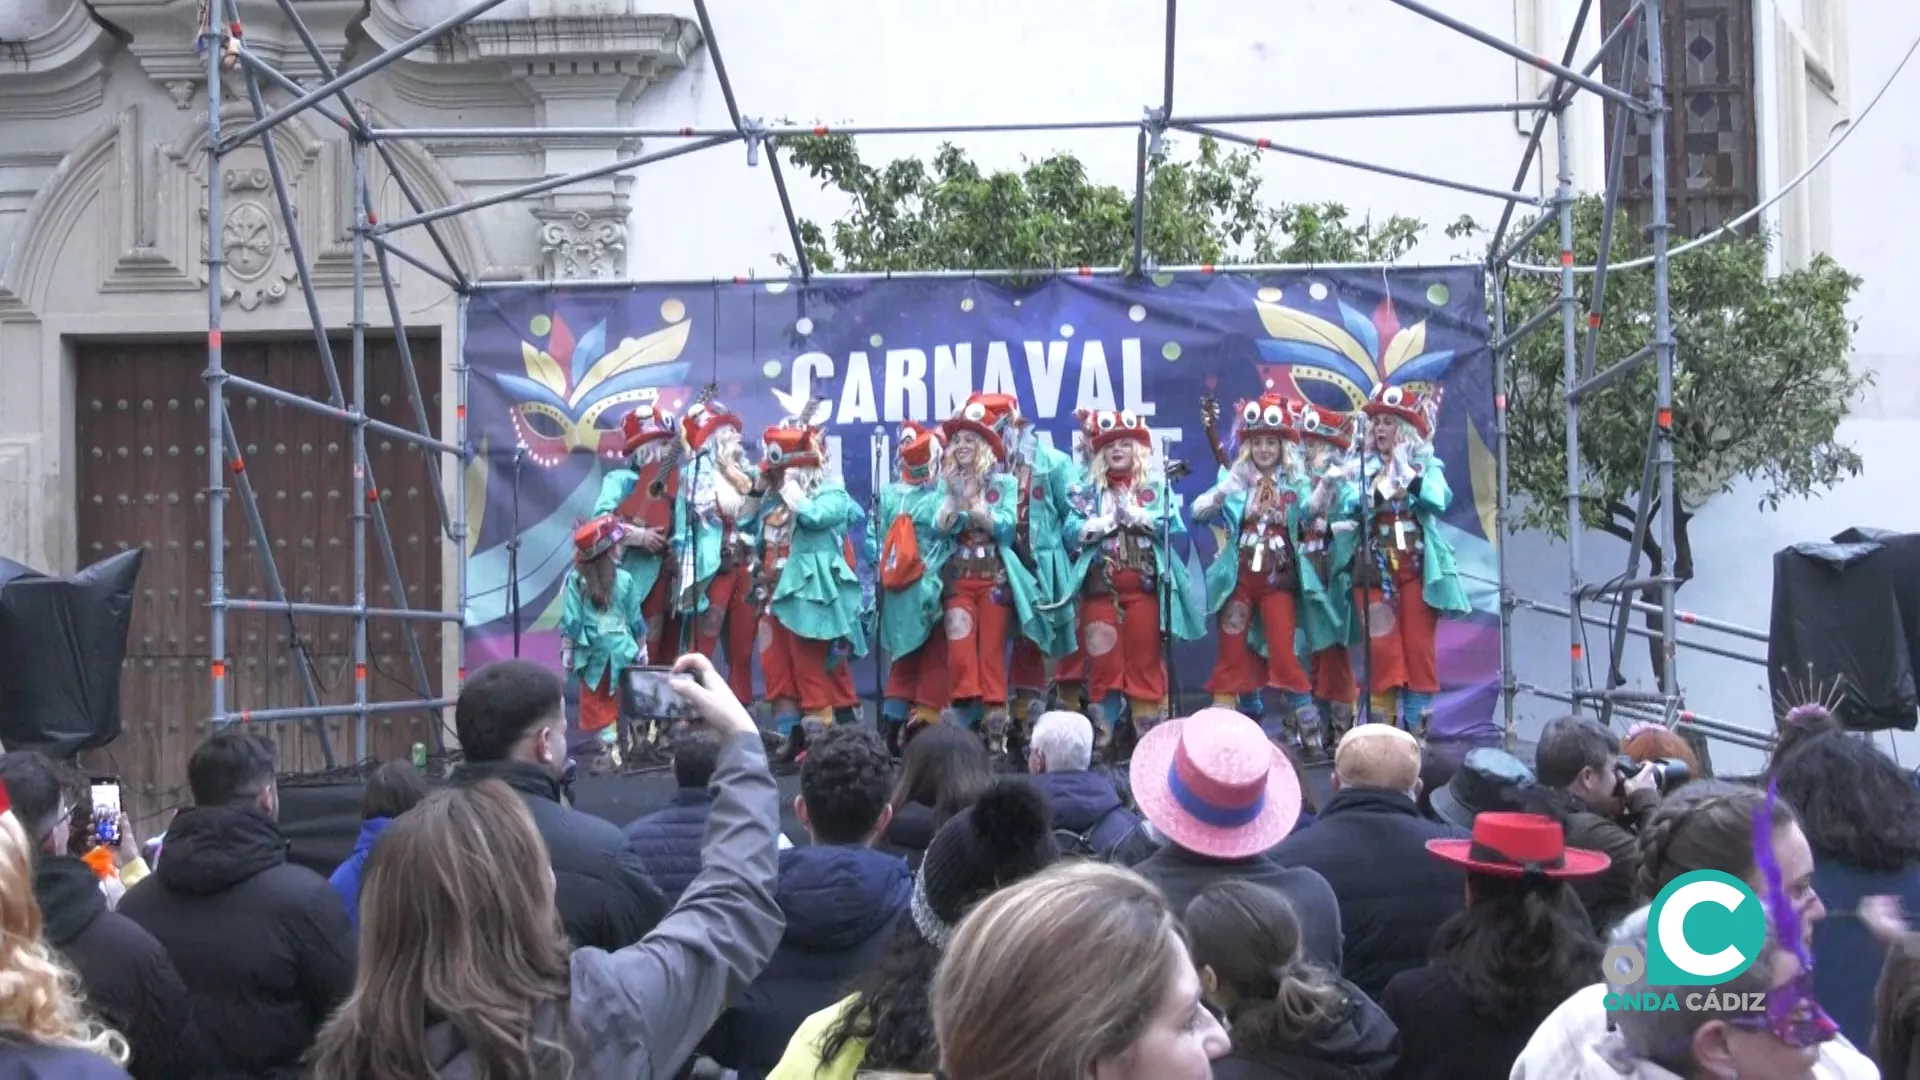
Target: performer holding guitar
<point>641,495</point>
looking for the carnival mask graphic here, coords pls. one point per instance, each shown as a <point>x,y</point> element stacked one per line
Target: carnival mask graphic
<point>573,387</point>
<point>1343,366</point>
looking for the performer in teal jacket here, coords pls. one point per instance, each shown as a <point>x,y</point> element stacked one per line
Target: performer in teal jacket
<point>804,568</point>
<point>990,591</point>
<point>910,551</point>
<point>1123,514</point>
<point>601,627</point>
<point>1043,476</point>
<point>1411,579</point>
<point>1256,583</point>
<point>718,498</point>
<point>642,495</point>
<point>1327,545</point>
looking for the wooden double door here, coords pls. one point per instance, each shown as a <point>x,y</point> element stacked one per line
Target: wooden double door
<point>141,443</point>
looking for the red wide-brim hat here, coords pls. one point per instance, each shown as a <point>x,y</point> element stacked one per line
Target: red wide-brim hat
<point>1513,845</point>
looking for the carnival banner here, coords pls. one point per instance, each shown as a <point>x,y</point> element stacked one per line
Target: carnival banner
<point>555,369</point>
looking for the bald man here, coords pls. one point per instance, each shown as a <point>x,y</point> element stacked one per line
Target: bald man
<point>1371,845</point>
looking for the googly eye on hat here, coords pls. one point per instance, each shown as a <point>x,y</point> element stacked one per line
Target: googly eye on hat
<point>1251,413</point>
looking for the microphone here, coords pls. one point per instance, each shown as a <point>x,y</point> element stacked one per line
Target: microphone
<point>1177,469</point>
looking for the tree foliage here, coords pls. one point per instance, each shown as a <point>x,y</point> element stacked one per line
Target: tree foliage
<point>1761,381</point>
<point>949,214</point>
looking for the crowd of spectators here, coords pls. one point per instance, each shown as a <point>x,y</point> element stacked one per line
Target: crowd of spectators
<point>1181,915</point>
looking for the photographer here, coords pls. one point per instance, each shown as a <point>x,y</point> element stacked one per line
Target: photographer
<point>1603,798</point>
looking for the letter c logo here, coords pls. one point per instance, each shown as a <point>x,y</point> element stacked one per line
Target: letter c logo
<point>1672,929</point>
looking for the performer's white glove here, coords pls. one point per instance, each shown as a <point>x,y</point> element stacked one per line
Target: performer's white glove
<point>1131,516</point>
<point>1341,528</point>
<point>792,493</point>
<point>1097,529</point>
<point>566,658</point>
<point>1207,505</point>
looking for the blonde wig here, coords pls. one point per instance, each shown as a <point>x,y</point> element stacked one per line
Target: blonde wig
<point>1051,975</point>
<point>40,998</point>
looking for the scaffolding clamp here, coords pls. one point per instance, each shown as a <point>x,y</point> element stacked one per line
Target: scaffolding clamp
<point>1155,121</point>
<point>754,130</point>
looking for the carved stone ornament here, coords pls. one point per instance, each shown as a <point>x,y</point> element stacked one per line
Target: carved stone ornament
<point>580,245</point>
<point>256,253</point>
<point>56,72</point>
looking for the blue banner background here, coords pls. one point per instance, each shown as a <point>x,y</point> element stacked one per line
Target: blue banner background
<point>554,369</point>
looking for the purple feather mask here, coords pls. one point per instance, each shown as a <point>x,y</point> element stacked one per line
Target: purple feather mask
<point>1794,1015</point>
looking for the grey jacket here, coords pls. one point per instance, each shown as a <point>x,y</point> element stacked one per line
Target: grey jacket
<point>639,1012</point>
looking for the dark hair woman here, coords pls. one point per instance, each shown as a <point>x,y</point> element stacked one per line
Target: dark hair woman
<point>1289,1017</point>
<point>392,790</point>
<point>1500,965</point>
<point>942,771</point>
<point>1861,814</point>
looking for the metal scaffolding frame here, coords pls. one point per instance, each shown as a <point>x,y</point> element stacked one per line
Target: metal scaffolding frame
<point>223,42</point>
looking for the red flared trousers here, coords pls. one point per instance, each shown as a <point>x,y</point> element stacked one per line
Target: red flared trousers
<point>1237,668</point>
<point>795,669</point>
<point>920,677</point>
<point>729,616</point>
<point>1401,631</point>
<point>976,632</point>
<point>1120,634</point>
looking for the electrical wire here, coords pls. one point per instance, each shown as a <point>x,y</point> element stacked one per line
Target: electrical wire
<point>1851,126</point>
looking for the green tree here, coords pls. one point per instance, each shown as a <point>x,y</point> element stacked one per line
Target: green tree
<point>951,215</point>
<point>1761,382</point>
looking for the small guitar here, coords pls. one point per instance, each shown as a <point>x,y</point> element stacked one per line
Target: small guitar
<point>1210,422</point>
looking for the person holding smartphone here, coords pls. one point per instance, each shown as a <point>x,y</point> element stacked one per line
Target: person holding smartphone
<point>508,994</point>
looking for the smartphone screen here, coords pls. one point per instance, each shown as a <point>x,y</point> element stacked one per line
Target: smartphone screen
<point>106,808</point>
<point>651,695</point>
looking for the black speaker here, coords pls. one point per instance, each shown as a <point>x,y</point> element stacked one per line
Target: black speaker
<point>62,641</point>
<point>1846,626</point>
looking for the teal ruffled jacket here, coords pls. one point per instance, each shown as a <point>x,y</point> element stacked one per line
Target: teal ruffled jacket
<point>1223,574</point>
<point>1440,578</point>
<point>818,595</point>
<point>1186,621</point>
<point>606,642</point>
<point>907,616</point>
<point>1002,496</point>
<point>1326,616</point>
<point>1052,625</point>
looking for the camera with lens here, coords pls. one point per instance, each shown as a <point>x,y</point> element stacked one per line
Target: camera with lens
<point>1668,773</point>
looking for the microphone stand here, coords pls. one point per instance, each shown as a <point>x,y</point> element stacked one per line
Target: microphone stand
<point>1366,592</point>
<point>876,459</point>
<point>513,553</point>
<point>690,613</point>
<point>1174,470</point>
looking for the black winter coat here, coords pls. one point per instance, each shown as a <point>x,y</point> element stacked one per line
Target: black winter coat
<point>265,947</point>
<point>1183,875</point>
<point>1443,1036</point>
<point>909,833</point>
<point>668,840</point>
<point>24,1061</point>
<point>841,905</point>
<point>1363,1045</point>
<point>605,897</point>
<point>1087,805</point>
<point>1371,846</point>
<point>129,981</point>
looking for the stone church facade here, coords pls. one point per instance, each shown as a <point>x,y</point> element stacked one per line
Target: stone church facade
<point>103,304</point>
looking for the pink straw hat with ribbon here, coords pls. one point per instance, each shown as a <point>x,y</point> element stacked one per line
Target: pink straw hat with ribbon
<point>1213,784</point>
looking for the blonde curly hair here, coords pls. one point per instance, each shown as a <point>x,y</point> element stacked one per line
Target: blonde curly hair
<point>40,998</point>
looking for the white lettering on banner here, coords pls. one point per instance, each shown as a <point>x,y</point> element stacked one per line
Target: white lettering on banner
<point>1047,370</point>
<point>999,376</point>
<point>952,377</point>
<point>806,368</point>
<point>1130,381</point>
<point>906,385</point>
<point>1096,382</point>
<point>857,404</point>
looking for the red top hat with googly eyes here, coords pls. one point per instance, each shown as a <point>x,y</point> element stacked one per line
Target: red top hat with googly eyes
<point>791,446</point>
<point>597,537</point>
<point>702,420</point>
<point>919,450</point>
<point>1310,422</point>
<point>1104,427</point>
<point>1273,414</point>
<point>1416,406</point>
<point>989,416</point>
<point>646,425</point>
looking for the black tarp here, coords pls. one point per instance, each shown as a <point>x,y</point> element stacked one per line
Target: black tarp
<point>1846,626</point>
<point>62,640</point>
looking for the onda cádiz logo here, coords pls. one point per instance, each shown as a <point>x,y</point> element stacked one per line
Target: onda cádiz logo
<point>1704,929</point>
